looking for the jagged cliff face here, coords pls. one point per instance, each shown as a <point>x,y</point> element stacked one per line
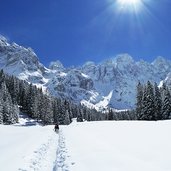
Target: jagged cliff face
<point>21,62</point>
<point>110,83</point>
<point>120,76</point>
<point>71,84</point>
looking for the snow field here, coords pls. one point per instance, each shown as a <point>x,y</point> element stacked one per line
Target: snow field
<point>27,148</point>
<point>119,146</point>
<point>87,146</point>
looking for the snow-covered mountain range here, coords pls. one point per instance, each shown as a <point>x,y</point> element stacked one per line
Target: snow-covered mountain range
<point>109,83</point>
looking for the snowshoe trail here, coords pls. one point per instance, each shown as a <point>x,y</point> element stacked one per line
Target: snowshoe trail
<point>61,155</point>
<point>41,158</point>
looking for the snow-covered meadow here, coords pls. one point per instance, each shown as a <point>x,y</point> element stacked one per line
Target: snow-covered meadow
<point>119,146</point>
<point>27,148</point>
<point>87,146</point>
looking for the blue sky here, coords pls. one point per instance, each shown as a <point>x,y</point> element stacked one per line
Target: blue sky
<point>74,31</point>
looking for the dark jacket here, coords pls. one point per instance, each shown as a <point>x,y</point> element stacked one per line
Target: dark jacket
<point>56,126</point>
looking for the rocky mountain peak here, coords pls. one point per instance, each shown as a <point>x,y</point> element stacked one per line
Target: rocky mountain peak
<point>123,58</point>
<point>56,65</point>
<point>159,60</point>
<point>162,63</point>
<point>3,42</point>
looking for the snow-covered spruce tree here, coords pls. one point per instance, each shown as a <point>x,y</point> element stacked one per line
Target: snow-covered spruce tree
<point>122,115</point>
<point>13,88</point>
<point>8,108</point>
<point>58,113</point>
<point>143,115</point>
<point>1,118</point>
<point>2,76</point>
<point>88,114</point>
<point>68,107</point>
<point>110,114</point>
<point>15,95</point>
<point>32,103</point>
<point>55,110</point>
<point>8,112</point>
<point>148,107</point>
<point>61,111</point>
<point>23,96</point>
<point>80,115</point>
<point>166,106</point>
<point>139,99</point>
<point>70,111</point>
<point>16,112</point>
<point>1,108</point>
<point>132,114</point>
<point>115,116</point>
<point>67,119</point>
<point>47,115</point>
<point>74,111</point>
<point>84,112</point>
<point>126,115</point>
<point>163,91</point>
<point>157,103</point>
<point>39,99</point>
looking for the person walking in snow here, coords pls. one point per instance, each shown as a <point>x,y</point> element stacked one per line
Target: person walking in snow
<point>56,128</point>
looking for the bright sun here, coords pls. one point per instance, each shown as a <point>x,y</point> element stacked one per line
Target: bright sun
<point>129,2</point>
<point>131,5</point>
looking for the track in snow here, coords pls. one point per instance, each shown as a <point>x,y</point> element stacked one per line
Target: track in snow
<point>61,155</point>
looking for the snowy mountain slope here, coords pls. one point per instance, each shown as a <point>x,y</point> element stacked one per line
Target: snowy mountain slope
<point>21,62</point>
<point>71,84</point>
<point>92,83</point>
<point>121,75</point>
<point>109,83</point>
<point>166,81</point>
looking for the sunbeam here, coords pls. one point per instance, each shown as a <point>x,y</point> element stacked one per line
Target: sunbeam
<point>129,5</point>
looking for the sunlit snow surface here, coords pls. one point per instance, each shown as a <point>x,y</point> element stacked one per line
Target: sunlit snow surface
<point>27,148</point>
<point>119,146</point>
<point>88,146</point>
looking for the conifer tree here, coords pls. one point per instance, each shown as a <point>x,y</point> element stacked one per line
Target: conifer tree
<point>157,103</point>
<point>166,107</point>
<point>47,115</point>
<point>79,115</point>
<point>1,108</point>
<point>110,114</point>
<point>142,114</point>
<point>7,107</point>
<point>150,101</point>
<point>148,107</point>
<point>139,99</point>
<point>16,112</point>
<point>66,119</point>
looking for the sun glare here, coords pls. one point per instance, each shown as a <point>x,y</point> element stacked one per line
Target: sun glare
<point>130,4</point>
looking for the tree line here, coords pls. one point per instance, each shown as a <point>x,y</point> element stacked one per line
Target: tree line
<point>19,96</point>
<point>153,103</point>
